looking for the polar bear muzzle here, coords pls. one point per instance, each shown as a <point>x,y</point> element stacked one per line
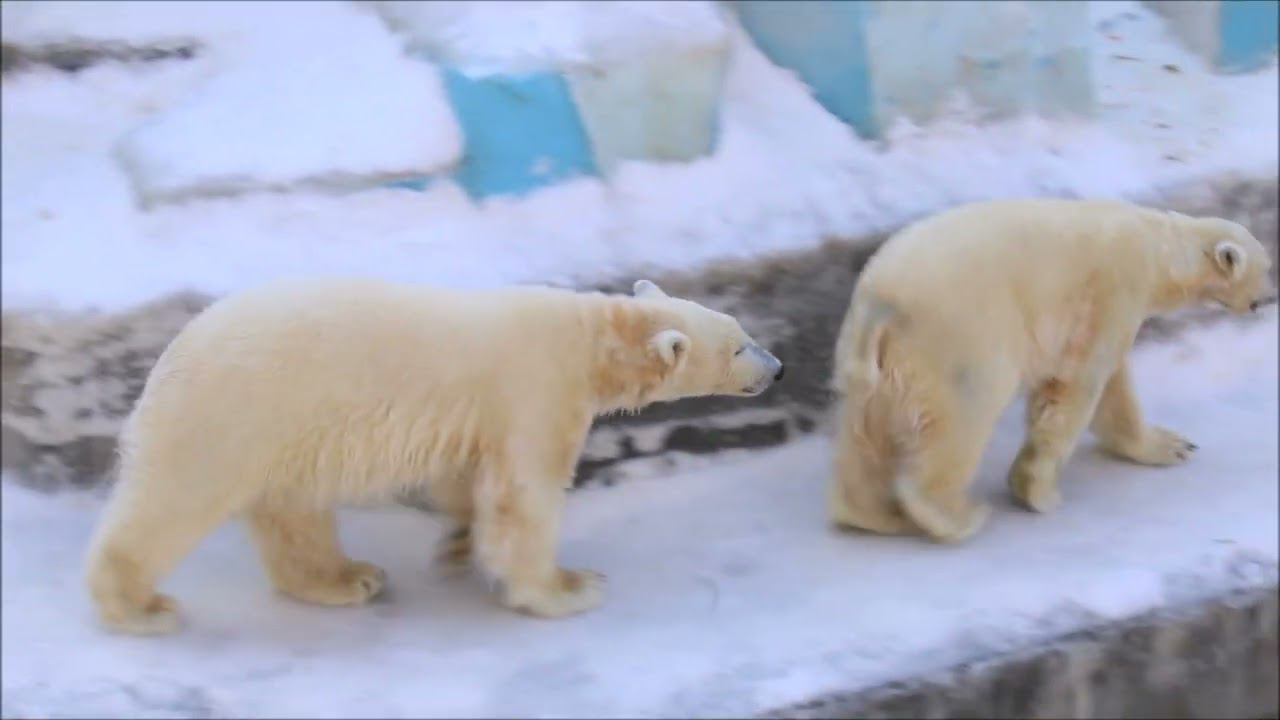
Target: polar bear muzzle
<point>768,369</point>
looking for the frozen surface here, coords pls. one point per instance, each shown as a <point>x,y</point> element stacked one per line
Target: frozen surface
<point>785,174</point>
<point>728,594</point>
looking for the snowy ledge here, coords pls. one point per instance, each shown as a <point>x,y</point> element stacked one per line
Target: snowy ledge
<point>1151,592</point>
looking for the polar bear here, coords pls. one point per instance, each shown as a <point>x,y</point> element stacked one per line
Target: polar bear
<point>281,403</point>
<point>956,313</point>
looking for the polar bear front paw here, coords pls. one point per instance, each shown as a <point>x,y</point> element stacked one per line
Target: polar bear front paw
<point>572,592</point>
<point>1158,447</point>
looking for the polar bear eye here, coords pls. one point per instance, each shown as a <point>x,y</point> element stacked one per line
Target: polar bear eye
<point>740,351</point>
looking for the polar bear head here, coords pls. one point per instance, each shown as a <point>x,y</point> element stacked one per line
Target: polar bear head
<point>699,351</point>
<point>1239,271</point>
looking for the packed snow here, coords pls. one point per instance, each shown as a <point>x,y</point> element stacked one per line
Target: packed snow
<point>728,593</point>
<point>785,174</point>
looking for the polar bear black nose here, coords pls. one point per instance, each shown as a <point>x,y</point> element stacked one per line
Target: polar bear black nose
<point>1253,306</point>
<point>778,375</point>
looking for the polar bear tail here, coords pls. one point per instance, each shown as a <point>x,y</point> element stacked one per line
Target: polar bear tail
<point>859,356</point>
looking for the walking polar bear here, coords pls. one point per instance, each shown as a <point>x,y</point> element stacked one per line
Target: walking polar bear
<point>281,403</point>
<point>957,312</point>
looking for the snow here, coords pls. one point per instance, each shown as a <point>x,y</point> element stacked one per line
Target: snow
<point>785,175</point>
<point>538,36</point>
<point>728,594</point>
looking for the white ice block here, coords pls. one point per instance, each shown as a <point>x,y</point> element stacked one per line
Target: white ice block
<point>663,106</point>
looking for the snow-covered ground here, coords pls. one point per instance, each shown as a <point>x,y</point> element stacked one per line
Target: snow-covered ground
<point>785,175</point>
<point>728,594</point>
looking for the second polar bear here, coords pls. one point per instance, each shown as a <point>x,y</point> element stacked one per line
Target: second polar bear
<point>281,403</point>
<point>956,313</point>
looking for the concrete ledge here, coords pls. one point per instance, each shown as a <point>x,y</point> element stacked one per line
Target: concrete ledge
<point>68,382</point>
<point>1216,658</point>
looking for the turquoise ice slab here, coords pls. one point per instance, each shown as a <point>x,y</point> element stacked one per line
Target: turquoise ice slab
<point>1248,30</point>
<point>522,132</point>
<point>823,42</point>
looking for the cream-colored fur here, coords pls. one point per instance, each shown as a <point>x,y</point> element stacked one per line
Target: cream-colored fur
<point>957,313</point>
<point>282,403</point>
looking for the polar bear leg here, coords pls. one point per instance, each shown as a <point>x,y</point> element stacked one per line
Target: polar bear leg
<point>142,538</point>
<point>516,529</point>
<point>934,485</point>
<point>1118,424</point>
<point>453,552</point>
<point>1058,411</point>
<point>305,561</point>
<point>952,429</point>
<point>861,492</point>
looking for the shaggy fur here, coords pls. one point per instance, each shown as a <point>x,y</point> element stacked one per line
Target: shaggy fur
<point>281,404</point>
<point>956,314</point>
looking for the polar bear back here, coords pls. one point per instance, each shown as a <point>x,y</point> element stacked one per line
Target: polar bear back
<point>357,383</point>
<point>1032,255</point>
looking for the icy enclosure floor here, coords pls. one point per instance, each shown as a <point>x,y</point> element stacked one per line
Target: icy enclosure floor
<point>785,175</point>
<point>728,593</point>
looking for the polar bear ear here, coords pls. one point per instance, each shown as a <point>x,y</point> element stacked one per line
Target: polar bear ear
<point>670,345</point>
<point>1230,258</point>
<point>644,288</point>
